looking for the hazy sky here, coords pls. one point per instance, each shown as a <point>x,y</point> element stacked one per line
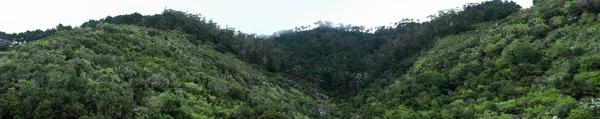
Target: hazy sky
<point>250,16</point>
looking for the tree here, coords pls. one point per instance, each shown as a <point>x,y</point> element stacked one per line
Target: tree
<point>5,44</point>
<point>521,53</point>
<point>159,83</point>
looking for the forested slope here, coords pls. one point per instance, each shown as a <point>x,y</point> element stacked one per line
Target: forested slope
<point>539,62</point>
<point>123,71</point>
<point>485,60</point>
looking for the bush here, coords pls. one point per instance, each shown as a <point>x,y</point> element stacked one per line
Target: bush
<point>140,90</point>
<point>401,112</point>
<point>559,49</point>
<point>592,6</point>
<point>577,7</point>
<point>589,63</point>
<point>242,113</point>
<point>81,66</point>
<point>273,115</point>
<point>591,77</point>
<point>112,100</point>
<point>580,113</point>
<point>435,80</point>
<point>521,53</point>
<point>587,18</point>
<point>193,88</point>
<point>218,87</point>
<point>168,105</point>
<point>518,29</point>
<point>557,21</point>
<point>540,29</point>
<point>5,44</point>
<point>159,83</point>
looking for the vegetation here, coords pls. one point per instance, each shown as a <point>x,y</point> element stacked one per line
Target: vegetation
<point>486,60</point>
<point>120,71</point>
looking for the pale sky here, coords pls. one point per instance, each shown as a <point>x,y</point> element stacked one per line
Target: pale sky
<point>249,16</point>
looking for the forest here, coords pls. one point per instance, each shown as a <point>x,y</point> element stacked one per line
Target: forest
<point>492,59</point>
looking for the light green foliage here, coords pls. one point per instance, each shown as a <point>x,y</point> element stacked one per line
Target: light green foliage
<point>160,83</point>
<point>120,71</point>
<point>401,112</point>
<point>592,78</point>
<point>518,53</point>
<point>533,64</point>
<point>568,6</point>
<point>489,60</point>
<point>580,113</point>
<point>559,49</point>
<point>517,30</point>
<point>587,18</point>
<point>589,63</point>
<point>557,21</point>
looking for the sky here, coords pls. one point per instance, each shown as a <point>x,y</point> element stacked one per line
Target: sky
<point>249,16</point>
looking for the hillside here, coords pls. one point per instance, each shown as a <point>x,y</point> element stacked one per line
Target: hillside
<point>539,62</point>
<point>486,60</point>
<point>122,71</point>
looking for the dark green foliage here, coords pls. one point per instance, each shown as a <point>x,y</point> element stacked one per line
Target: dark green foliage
<point>344,59</point>
<point>486,60</point>
<point>117,71</point>
<point>580,114</point>
<point>491,10</point>
<point>533,64</point>
<point>589,63</point>
<point>521,53</point>
<point>4,43</point>
<point>576,7</point>
<point>168,105</point>
<point>476,13</point>
<point>8,40</point>
<point>273,115</point>
<point>160,83</point>
<point>334,58</point>
<point>592,6</point>
<point>200,29</point>
<point>346,56</point>
<point>402,113</point>
<point>411,37</point>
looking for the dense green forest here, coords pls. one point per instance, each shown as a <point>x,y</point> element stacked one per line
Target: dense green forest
<point>492,59</point>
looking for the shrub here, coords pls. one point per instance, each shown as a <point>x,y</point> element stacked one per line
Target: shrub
<point>559,49</point>
<point>521,53</point>
<point>576,7</point>
<point>401,112</point>
<point>168,105</point>
<point>435,80</point>
<point>591,77</point>
<point>242,113</point>
<point>589,63</point>
<point>80,66</point>
<point>587,18</point>
<point>592,6</point>
<point>218,87</point>
<point>557,21</point>
<point>273,115</point>
<point>159,83</point>
<point>580,113</point>
<point>540,29</point>
<point>518,29</point>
